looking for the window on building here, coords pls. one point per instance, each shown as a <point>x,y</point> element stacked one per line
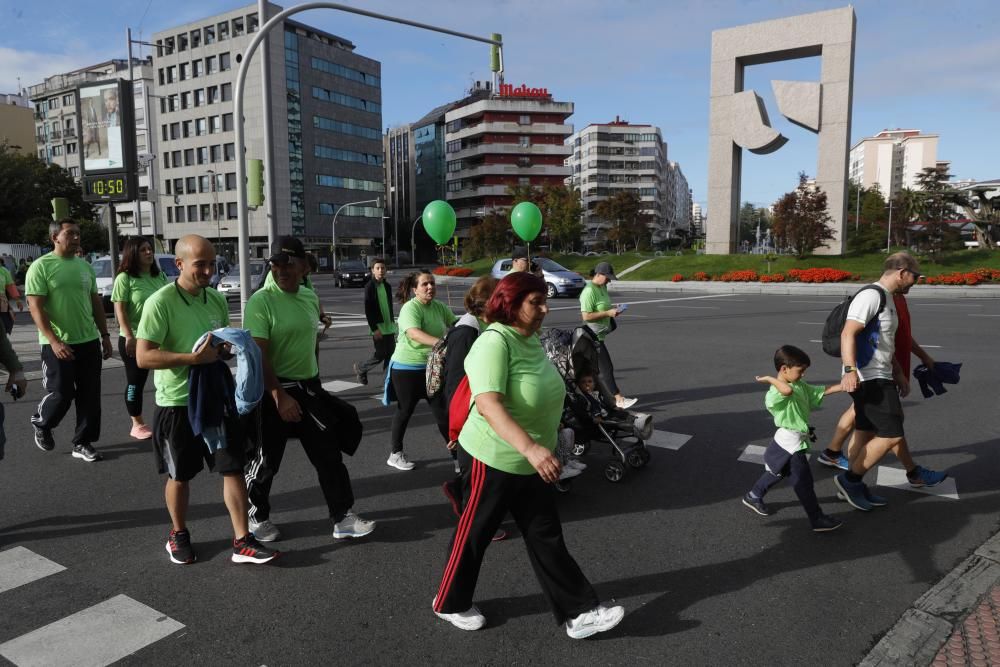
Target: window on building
<point>227,122</point>
<point>524,119</point>
<point>71,148</point>
<point>175,159</point>
<point>182,42</point>
<point>231,211</point>
<point>213,94</point>
<point>223,31</point>
<point>524,161</point>
<point>523,180</point>
<point>166,187</point>
<point>166,160</point>
<point>178,186</point>
<point>524,140</point>
<point>195,38</point>
<point>231,181</point>
<point>179,214</point>
<point>182,72</point>
<point>227,92</point>
<point>229,150</point>
<point>200,126</point>
<point>203,184</point>
<point>210,65</point>
<point>199,97</point>
<point>168,45</point>
<point>74,172</point>
<point>252,23</point>
<point>53,103</point>
<point>206,212</point>
<point>197,68</point>
<point>160,73</point>
<point>186,129</point>
<point>170,214</point>
<point>237,27</point>
<point>67,100</point>
<point>192,212</point>
<point>209,34</point>
<point>224,63</point>
<point>164,135</point>
<point>185,99</point>
<point>202,153</point>
<point>171,73</point>
<point>172,102</point>
<point>175,130</point>
<point>188,157</point>
<point>214,124</point>
<point>57,150</point>
<point>215,153</point>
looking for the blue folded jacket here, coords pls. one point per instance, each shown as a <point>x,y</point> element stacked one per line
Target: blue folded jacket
<point>932,380</point>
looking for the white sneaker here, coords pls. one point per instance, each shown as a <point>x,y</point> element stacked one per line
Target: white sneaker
<point>458,468</point>
<point>352,526</point>
<point>626,403</point>
<point>598,619</point>
<point>568,472</point>
<point>265,531</point>
<point>576,463</point>
<point>398,460</point>
<point>470,619</point>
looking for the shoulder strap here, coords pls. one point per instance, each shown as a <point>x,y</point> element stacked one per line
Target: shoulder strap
<point>881,300</point>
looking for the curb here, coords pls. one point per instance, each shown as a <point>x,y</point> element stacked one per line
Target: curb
<point>923,629</point>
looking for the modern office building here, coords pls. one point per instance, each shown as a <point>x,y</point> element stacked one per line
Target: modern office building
<point>697,220</point>
<point>892,159</point>
<point>56,122</point>
<point>609,158</point>
<point>326,121</point>
<point>17,124</point>
<point>679,210</point>
<point>515,136</point>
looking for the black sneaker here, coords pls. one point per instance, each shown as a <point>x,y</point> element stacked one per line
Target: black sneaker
<point>86,452</point>
<point>756,504</point>
<point>362,377</point>
<point>179,547</point>
<point>824,524</point>
<point>43,438</point>
<point>249,550</point>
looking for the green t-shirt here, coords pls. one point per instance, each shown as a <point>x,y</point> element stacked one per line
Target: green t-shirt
<point>288,322</point>
<point>67,285</point>
<point>176,319</point>
<point>5,279</point>
<point>133,292</point>
<point>386,326</point>
<point>433,319</point>
<point>533,393</point>
<point>594,299</point>
<point>791,413</point>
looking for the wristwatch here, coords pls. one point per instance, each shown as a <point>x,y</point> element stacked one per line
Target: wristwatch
<point>850,369</point>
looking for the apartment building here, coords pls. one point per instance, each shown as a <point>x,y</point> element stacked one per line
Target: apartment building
<point>892,159</point>
<point>17,124</point>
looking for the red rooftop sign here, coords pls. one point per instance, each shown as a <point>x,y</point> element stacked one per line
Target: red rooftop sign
<point>508,90</point>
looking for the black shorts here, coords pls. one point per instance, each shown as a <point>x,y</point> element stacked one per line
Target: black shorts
<point>181,454</point>
<point>877,409</point>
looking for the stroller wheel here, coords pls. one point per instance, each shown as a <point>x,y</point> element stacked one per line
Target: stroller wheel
<point>580,448</point>
<point>614,471</point>
<point>564,486</point>
<point>638,457</point>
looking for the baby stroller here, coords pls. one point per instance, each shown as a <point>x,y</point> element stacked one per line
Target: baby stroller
<point>574,353</point>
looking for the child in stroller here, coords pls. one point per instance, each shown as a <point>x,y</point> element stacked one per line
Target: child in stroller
<point>590,415</point>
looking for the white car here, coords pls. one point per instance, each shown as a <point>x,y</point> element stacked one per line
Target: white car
<point>106,276</point>
<point>230,283</point>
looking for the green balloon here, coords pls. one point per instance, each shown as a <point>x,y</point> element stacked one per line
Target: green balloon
<point>439,221</point>
<point>526,220</point>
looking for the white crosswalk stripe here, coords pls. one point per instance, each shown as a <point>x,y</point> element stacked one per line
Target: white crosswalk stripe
<point>668,440</point>
<point>20,566</point>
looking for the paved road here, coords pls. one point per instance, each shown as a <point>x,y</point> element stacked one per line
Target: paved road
<point>703,580</point>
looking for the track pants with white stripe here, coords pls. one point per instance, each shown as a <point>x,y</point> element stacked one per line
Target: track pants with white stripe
<point>66,381</point>
<point>324,422</point>
<point>489,494</point>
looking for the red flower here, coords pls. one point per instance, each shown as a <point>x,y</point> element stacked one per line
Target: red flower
<point>677,278</point>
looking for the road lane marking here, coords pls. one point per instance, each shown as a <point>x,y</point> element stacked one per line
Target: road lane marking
<point>637,303</point>
<point>20,566</point>
<point>753,454</point>
<point>335,386</point>
<point>100,635</point>
<point>668,440</point>
<point>673,305</point>
<point>895,478</point>
<point>810,322</point>
<point>816,301</point>
<point>981,315</point>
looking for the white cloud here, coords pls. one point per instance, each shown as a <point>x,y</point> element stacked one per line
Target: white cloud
<point>33,67</point>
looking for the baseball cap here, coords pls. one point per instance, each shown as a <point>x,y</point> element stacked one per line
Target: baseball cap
<point>605,269</point>
<point>285,248</point>
<point>520,252</point>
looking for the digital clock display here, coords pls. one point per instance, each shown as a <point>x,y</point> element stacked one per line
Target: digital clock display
<point>106,187</point>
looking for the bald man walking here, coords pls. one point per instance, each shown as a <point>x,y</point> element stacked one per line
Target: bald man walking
<point>173,319</point>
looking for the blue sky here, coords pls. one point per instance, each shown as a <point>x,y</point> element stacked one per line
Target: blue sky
<point>933,66</point>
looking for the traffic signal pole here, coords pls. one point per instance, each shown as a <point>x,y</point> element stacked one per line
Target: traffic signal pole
<point>241,76</point>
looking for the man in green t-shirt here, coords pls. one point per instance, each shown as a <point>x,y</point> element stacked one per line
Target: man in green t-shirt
<point>73,333</point>
<point>8,293</point>
<point>282,320</point>
<point>378,312</point>
<point>173,319</point>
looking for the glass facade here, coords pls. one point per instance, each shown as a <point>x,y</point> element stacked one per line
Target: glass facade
<point>296,175</point>
<point>429,160</point>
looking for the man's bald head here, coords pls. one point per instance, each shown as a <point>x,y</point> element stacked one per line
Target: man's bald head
<point>196,261</point>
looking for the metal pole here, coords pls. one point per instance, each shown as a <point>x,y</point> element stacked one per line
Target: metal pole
<point>413,249</point>
<point>857,209</point>
<point>888,240</point>
<point>265,77</point>
<point>136,205</point>
<point>241,76</point>
<point>150,187</point>
<point>333,225</point>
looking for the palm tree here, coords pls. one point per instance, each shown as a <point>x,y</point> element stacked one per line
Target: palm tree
<point>908,206</point>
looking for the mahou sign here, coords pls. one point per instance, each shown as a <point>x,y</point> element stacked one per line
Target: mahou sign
<point>508,90</point>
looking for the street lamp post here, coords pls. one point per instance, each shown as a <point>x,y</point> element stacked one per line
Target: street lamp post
<point>215,207</point>
<point>333,225</point>
<point>413,236</point>
<point>888,238</point>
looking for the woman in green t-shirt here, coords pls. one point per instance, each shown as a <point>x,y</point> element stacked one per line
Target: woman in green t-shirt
<point>422,321</point>
<point>137,278</point>
<point>506,454</point>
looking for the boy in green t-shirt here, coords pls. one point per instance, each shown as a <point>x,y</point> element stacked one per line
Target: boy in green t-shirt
<point>791,400</point>
<point>378,312</point>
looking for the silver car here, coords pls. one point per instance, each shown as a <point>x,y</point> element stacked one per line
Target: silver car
<point>559,281</point>
<point>230,283</point>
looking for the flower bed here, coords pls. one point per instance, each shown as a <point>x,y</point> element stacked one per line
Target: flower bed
<point>974,277</point>
<point>829,275</point>
<point>457,271</point>
<point>819,275</point>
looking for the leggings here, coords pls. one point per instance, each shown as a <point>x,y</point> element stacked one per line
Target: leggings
<point>135,379</point>
<point>410,388</point>
<point>606,374</point>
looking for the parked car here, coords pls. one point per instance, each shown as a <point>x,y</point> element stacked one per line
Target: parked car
<point>221,270</point>
<point>106,276</point>
<point>230,284</point>
<point>351,272</point>
<point>559,280</point>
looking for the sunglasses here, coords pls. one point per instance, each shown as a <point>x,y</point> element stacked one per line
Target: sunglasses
<point>916,276</point>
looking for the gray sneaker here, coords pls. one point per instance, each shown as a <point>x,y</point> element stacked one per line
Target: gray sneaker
<point>265,531</point>
<point>361,376</point>
<point>352,526</point>
<point>598,619</point>
<point>86,452</point>
<point>399,461</point>
<point>44,439</point>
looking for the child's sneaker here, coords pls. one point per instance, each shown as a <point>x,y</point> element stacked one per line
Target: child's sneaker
<point>824,524</point>
<point>756,504</point>
<point>839,462</point>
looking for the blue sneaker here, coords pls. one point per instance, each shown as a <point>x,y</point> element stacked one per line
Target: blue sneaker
<point>921,477</point>
<point>854,494</point>
<point>873,500</point>
<point>839,462</point>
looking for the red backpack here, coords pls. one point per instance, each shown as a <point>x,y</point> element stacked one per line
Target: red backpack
<point>459,408</point>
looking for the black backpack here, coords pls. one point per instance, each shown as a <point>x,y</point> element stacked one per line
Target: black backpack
<point>838,316</point>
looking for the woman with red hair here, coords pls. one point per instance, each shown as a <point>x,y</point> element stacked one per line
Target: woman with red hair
<point>506,454</point>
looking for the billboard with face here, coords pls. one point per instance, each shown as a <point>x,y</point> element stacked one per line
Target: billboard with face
<point>101,124</point>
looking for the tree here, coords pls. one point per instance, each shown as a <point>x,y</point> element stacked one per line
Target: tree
<point>937,201</point>
<point>801,220</point>
<point>629,223</point>
<point>491,237</point>
<point>93,236</point>
<point>873,206</point>
<point>27,186</point>
<point>561,210</point>
<point>984,212</point>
